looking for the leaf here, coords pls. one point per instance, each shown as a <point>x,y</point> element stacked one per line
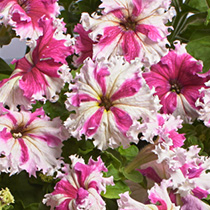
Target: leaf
<point>112,192</point>
<point>134,176</point>
<point>56,109</point>
<point>6,35</point>
<point>33,206</point>
<point>3,76</point>
<point>4,67</point>
<point>200,5</point>
<point>10,207</point>
<point>111,156</point>
<point>19,205</point>
<point>112,171</point>
<point>200,49</point>
<point>111,204</point>
<point>194,28</point>
<point>129,153</point>
<point>22,189</point>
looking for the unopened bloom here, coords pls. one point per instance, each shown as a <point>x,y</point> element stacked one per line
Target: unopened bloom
<point>80,187</point>
<point>130,28</point>
<point>30,141</point>
<point>177,82</point>
<point>6,197</point>
<point>24,15</point>
<point>38,76</point>
<point>108,99</point>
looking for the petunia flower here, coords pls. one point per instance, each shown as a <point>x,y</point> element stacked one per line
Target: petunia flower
<point>108,99</point>
<point>177,81</point>
<point>178,179</point>
<point>30,141</point>
<point>39,75</point>
<point>24,15</point>
<point>131,28</point>
<point>80,187</point>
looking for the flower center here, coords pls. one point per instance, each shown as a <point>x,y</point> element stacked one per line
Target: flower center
<point>129,24</point>
<point>175,87</point>
<point>24,4</point>
<point>106,102</point>
<point>17,132</point>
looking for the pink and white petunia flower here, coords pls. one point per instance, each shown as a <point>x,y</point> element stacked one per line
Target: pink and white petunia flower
<point>24,15</point>
<point>30,141</point>
<point>177,82</point>
<point>188,172</point>
<point>184,171</point>
<point>108,99</point>
<point>41,74</point>
<point>131,28</point>
<point>80,187</point>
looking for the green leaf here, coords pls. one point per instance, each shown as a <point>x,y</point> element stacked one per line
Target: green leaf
<point>194,27</point>
<point>112,192</point>
<point>208,17</point>
<point>111,156</point>
<point>200,5</point>
<point>200,49</point>
<point>4,68</point>
<point>6,34</point>
<point>10,207</point>
<point>134,176</point>
<point>3,76</point>
<point>112,171</point>
<point>111,204</point>
<point>22,190</point>
<point>129,153</point>
<point>33,206</point>
<point>43,207</point>
<point>56,109</point>
<point>19,205</point>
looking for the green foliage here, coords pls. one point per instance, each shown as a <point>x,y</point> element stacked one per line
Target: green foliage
<point>128,153</point>
<point>6,35</point>
<point>112,192</point>
<point>197,134</point>
<point>28,191</point>
<point>118,159</point>
<point>200,49</point>
<point>4,67</point>
<point>111,204</point>
<point>134,176</point>
<point>73,10</point>
<point>56,109</point>
<point>201,5</point>
<point>191,20</point>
